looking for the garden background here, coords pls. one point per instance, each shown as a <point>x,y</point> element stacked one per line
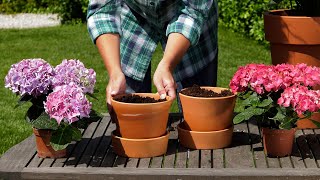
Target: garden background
<point>241,41</point>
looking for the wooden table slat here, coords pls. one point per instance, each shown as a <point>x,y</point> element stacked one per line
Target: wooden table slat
<point>144,162</point>
<point>206,159</point>
<point>93,143</point>
<point>76,149</point>
<point>36,162</point>
<point>109,159</point>
<point>170,157</point>
<point>313,144</point>
<point>218,158</point>
<point>193,158</point>
<point>305,150</point>
<point>132,163</point>
<point>120,161</point>
<point>103,148</point>
<point>240,147</point>
<point>257,145</point>
<point>19,155</point>
<point>156,162</point>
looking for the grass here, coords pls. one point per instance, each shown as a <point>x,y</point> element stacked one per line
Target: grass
<point>72,42</point>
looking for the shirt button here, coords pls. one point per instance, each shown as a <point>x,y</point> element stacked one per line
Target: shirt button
<point>152,3</point>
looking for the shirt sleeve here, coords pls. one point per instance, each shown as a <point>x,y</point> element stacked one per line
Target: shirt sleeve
<point>190,19</point>
<point>103,17</point>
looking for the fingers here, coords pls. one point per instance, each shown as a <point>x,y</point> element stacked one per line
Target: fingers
<point>161,90</point>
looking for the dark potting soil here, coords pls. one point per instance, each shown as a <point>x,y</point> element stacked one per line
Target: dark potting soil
<point>196,91</point>
<point>133,98</point>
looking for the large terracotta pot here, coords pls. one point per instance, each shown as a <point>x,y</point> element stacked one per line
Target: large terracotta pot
<point>208,114</point>
<point>44,149</point>
<point>293,40</point>
<point>141,121</point>
<point>278,142</point>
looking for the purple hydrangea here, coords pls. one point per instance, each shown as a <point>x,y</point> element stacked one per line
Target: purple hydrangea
<point>67,102</point>
<point>30,76</point>
<point>74,71</point>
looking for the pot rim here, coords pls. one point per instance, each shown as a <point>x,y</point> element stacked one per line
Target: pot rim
<point>168,99</point>
<point>268,13</point>
<point>135,140</point>
<point>209,98</point>
<point>204,132</point>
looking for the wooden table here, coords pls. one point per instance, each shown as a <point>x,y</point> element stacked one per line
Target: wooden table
<point>92,157</point>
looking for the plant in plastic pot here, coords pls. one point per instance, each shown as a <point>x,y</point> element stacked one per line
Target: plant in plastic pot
<point>277,96</point>
<point>59,107</point>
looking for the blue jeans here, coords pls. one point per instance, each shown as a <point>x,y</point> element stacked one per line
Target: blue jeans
<point>206,77</point>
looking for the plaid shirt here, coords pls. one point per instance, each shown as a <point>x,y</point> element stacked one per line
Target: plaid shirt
<point>142,24</point>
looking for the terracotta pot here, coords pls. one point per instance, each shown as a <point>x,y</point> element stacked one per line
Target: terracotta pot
<point>293,40</point>
<point>307,124</point>
<point>278,142</point>
<point>204,140</point>
<point>44,148</point>
<point>140,148</point>
<point>141,121</point>
<point>208,114</point>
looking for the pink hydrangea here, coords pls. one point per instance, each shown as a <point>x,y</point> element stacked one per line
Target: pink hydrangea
<point>30,76</point>
<point>269,78</point>
<point>67,102</point>
<point>300,98</point>
<point>74,71</point>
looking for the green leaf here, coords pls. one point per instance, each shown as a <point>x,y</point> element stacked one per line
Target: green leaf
<point>251,100</point>
<point>286,124</point>
<point>64,135</point>
<point>33,113</point>
<point>280,116</point>
<point>83,123</point>
<point>93,96</point>
<point>265,102</point>
<point>44,122</point>
<point>76,134</point>
<point>247,114</point>
<point>317,123</point>
<point>22,100</point>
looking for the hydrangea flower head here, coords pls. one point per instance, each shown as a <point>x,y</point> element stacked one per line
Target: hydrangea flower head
<point>30,77</point>
<point>74,71</point>
<point>67,102</point>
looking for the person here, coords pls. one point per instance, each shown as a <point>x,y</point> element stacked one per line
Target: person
<point>127,32</point>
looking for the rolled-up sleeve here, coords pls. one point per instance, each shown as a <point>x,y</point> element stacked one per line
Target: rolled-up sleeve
<point>190,20</point>
<point>103,17</point>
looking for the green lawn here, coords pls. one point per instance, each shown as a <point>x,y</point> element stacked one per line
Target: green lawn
<point>72,42</point>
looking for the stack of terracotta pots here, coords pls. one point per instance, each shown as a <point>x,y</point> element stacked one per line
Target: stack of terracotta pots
<point>207,121</point>
<point>141,128</point>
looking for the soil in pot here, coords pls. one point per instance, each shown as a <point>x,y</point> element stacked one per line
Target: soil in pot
<point>133,98</point>
<point>197,91</point>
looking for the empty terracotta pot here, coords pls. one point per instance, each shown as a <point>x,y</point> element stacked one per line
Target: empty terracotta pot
<point>308,124</point>
<point>204,140</point>
<point>278,142</point>
<point>141,121</point>
<point>44,149</point>
<point>293,39</point>
<point>208,114</point>
<point>140,148</point>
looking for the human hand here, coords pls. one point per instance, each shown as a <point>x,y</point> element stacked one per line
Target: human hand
<point>163,80</point>
<point>116,85</point>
